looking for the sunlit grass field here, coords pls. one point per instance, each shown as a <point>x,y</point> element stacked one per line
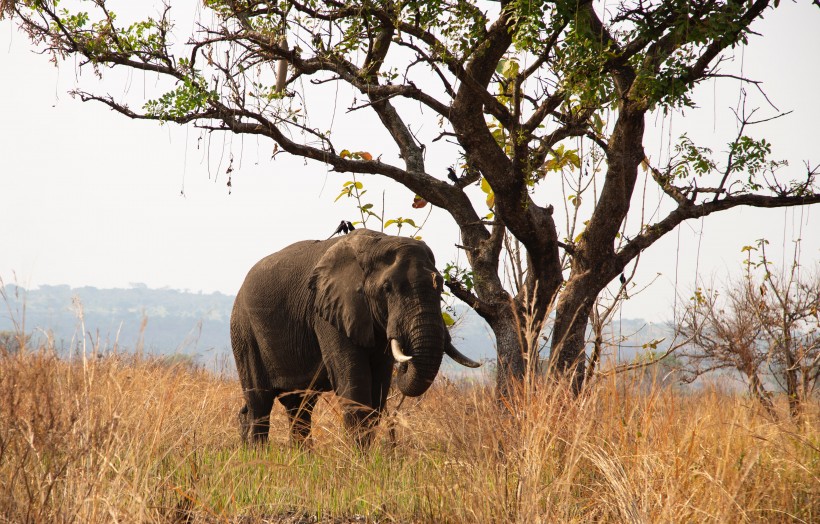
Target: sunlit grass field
<point>124,439</point>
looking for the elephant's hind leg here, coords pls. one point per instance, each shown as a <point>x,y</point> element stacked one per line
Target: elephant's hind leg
<point>299,406</point>
<point>254,418</point>
<point>257,416</point>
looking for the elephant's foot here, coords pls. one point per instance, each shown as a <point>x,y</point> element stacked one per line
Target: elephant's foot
<point>255,431</point>
<point>252,430</point>
<point>259,431</point>
<point>254,417</point>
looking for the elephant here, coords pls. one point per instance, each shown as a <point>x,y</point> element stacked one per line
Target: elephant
<point>335,315</point>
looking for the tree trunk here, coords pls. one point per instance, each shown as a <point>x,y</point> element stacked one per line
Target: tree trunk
<point>792,384</point>
<point>597,345</point>
<point>511,365</point>
<point>757,389</point>
<point>790,371</point>
<point>567,350</point>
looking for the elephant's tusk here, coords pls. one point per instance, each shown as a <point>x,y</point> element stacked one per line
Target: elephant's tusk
<point>398,354</point>
<point>456,355</point>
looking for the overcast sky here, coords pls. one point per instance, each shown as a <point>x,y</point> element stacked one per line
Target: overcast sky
<point>91,198</point>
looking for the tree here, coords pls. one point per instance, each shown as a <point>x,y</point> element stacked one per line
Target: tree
<point>766,327</point>
<point>513,85</point>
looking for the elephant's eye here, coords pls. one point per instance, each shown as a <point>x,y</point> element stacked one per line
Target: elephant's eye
<point>387,287</point>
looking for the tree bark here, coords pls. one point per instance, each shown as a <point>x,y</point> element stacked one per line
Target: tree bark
<point>511,365</point>
<point>792,389</point>
<point>567,350</point>
<point>757,389</point>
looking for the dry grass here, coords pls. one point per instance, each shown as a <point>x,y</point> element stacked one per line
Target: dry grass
<point>132,440</point>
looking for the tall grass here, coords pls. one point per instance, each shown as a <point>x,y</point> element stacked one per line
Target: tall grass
<point>141,440</point>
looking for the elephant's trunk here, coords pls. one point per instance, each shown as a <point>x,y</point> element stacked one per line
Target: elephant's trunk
<point>426,349</point>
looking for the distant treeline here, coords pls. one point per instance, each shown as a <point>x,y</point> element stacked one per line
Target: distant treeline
<point>155,320</point>
<point>198,324</point>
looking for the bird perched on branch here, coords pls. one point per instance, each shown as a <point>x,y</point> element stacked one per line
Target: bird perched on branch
<point>451,174</point>
<point>622,279</point>
<point>345,227</point>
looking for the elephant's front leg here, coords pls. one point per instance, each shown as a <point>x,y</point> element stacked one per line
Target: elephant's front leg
<point>299,406</point>
<point>350,374</point>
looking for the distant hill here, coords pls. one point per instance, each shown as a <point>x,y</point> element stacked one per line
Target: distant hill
<point>197,324</point>
<point>174,321</point>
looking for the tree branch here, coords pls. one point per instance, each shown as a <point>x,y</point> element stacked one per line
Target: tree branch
<point>687,211</point>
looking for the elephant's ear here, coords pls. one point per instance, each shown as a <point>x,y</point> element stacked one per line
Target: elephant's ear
<point>338,281</point>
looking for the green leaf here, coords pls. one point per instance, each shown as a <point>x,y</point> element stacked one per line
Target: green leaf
<point>448,320</point>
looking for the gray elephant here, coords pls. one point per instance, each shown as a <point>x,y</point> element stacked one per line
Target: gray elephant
<point>335,315</point>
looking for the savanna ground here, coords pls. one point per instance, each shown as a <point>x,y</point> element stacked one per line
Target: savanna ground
<point>124,439</point>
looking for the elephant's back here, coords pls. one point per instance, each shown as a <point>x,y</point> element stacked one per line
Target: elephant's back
<point>274,308</point>
<point>292,259</point>
<point>283,275</point>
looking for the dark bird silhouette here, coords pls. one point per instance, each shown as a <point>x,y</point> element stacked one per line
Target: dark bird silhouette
<point>344,227</point>
<point>622,278</point>
<point>451,174</point>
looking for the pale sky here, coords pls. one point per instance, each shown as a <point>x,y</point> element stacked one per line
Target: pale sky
<point>91,198</point>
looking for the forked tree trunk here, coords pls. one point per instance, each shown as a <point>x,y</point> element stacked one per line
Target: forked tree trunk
<point>567,353</point>
<point>516,345</point>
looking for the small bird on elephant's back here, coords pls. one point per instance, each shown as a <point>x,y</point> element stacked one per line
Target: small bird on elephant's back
<point>345,226</point>
<point>336,315</point>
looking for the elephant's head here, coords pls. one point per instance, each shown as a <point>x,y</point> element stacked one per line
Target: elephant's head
<point>375,287</point>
